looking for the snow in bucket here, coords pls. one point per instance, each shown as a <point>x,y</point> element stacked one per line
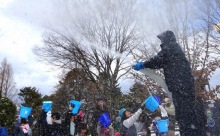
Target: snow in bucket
<point>151,103</point>
<point>47,106</point>
<point>75,105</point>
<point>104,120</point>
<point>25,112</point>
<point>162,125</point>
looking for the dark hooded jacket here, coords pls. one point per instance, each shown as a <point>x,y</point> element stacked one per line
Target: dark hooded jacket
<point>176,68</point>
<point>56,128</point>
<point>180,82</point>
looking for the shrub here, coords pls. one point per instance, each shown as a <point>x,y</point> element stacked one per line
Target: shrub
<point>7,113</point>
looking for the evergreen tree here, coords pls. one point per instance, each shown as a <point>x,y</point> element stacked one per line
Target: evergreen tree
<point>30,97</point>
<point>74,85</point>
<point>7,113</point>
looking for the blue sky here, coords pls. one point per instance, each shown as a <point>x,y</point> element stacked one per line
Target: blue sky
<point>21,27</point>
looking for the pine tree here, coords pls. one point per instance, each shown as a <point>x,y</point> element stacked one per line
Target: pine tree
<point>7,113</point>
<point>31,97</point>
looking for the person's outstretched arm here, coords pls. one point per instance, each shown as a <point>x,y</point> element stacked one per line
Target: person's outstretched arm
<point>131,120</point>
<point>157,61</point>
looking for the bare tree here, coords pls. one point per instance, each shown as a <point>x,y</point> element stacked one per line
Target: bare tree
<point>210,16</point>
<point>99,41</point>
<point>7,84</point>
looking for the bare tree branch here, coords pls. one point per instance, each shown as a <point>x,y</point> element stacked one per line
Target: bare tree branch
<point>7,84</point>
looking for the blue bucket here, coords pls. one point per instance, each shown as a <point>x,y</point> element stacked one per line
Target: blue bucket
<point>47,106</point>
<point>151,103</point>
<point>162,125</point>
<point>25,112</point>
<point>76,105</point>
<point>157,98</point>
<point>104,120</point>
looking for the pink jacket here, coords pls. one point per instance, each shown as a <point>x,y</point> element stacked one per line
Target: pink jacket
<point>25,128</point>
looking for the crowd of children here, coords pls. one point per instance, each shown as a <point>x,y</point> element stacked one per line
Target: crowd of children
<point>73,124</point>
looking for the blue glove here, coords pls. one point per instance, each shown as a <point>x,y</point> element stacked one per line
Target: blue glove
<point>138,66</point>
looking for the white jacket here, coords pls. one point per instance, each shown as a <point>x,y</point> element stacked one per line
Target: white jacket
<point>131,120</point>
<point>163,111</point>
<point>72,128</point>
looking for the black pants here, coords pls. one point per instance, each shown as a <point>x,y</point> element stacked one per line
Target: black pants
<point>186,115</point>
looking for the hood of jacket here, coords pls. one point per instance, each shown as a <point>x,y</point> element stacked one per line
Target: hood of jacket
<point>167,37</point>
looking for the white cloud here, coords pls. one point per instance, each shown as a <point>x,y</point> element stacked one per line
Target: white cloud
<point>35,12</point>
<point>4,3</point>
<point>16,41</point>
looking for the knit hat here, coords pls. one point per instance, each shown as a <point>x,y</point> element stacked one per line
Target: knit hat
<point>121,112</point>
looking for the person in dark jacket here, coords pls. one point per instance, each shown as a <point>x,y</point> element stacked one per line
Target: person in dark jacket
<point>99,110</point>
<point>180,82</point>
<point>3,130</point>
<point>100,107</point>
<point>30,120</point>
<point>16,126</point>
<point>56,127</point>
<point>42,124</point>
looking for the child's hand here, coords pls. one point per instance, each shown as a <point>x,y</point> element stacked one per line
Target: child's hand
<point>110,126</point>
